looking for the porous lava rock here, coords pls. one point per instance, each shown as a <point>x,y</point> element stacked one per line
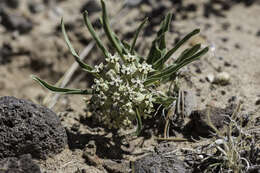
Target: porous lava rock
<point>28,128</point>
<point>163,160</point>
<point>22,164</point>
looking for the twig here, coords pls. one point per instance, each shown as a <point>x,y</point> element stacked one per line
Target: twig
<point>172,139</point>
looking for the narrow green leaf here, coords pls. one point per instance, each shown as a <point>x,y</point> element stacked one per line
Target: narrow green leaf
<point>94,35</point>
<point>158,45</point>
<point>139,122</point>
<point>109,33</point>
<point>151,81</point>
<point>58,89</point>
<point>86,67</point>
<point>124,49</point>
<point>187,53</point>
<point>137,34</point>
<point>163,59</point>
<point>175,67</point>
<point>166,101</point>
<point>165,25</point>
<point>126,45</point>
<point>192,58</point>
<point>154,53</point>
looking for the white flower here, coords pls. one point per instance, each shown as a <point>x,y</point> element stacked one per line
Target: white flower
<point>127,106</point>
<point>127,122</point>
<point>116,96</point>
<point>117,67</point>
<point>111,74</point>
<point>112,59</point>
<point>137,83</point>
<point>104,86</point>
<point>127,70</point>
<point>99,67</point>
<point>130,58</point>
<point>118,80</point>
<point>139,97</point>
<point>144,68</point>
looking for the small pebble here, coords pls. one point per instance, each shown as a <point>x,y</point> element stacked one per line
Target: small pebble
<point>222,78</point>
<point>257,102</point>
<point>210,78</point>
<point>258,33</point>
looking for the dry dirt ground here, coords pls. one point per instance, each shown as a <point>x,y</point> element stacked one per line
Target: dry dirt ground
<point>230,28</point>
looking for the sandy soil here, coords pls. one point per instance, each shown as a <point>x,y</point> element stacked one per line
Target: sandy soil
<point>232,34</point>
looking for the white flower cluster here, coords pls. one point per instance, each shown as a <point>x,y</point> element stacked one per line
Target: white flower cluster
<point>120,90</point>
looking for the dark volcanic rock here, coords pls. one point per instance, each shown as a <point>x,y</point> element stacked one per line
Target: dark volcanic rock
<point>155,163</point>
<point>199,125</point>
<point>163,161</point>
<point>29,128</point>
<point>14,22</point>
<point>12,3</point>
<point>23,164</point>
<point>5,54</point>
<point>91,6</point>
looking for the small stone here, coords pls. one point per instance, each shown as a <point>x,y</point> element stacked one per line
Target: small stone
<point>257,102</point>
<point>222,78</point>
<point>91,6</point>
<point>258,33</point>
<point>227,64</point>
<point>210,78</point>
<point>198,126</point>
<point>190,102</point>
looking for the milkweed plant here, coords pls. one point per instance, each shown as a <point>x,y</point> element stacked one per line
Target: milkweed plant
<point>125,86</point>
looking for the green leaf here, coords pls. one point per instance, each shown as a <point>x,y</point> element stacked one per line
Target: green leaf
<point>187,53</point>
<point>109,33</point>
<point>175,67</point>
<point>158,48</point>
<point>154,53</point>
<point>166,101</point>
<point>192,58</point>
<point>124,49</point>
<point>86,67</point>
<point>94,35</point>
<point>61,90</point>
<point>165,25</point>
<point>139,122</point>
<point>163,59</point>
<point>137,34</point>
<point>151,81</point>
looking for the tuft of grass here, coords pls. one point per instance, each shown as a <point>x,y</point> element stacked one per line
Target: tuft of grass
<point>125,87</point>
<point>232,150</point>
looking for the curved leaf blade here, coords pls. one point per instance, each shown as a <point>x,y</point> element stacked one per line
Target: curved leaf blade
<point>175,67</point>
<point>94,35</point>
<point>137,34</point>
<point>86,67</point>
<point>109,33</point>
<point>163,59</point>
<point>58,89</point>
<point>139,123</point>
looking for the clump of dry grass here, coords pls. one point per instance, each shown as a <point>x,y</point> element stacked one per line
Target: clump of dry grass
<point>232,149</point>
